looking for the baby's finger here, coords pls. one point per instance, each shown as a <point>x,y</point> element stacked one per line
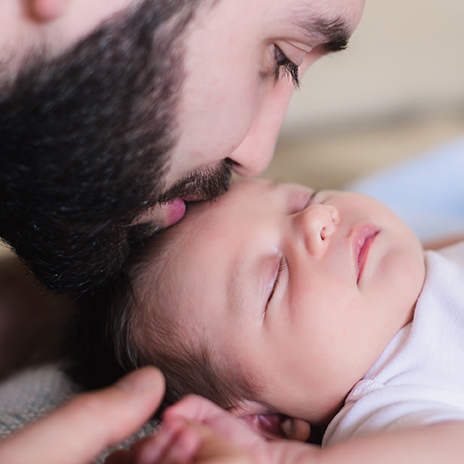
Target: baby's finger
<point>195,408</point>
<point>217,449</point>
<point>174,442</point>
<point>152,449</point>
<point>184,447</point>
<point>198,409</point>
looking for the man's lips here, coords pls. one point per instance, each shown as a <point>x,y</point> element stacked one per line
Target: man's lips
<point>175,211</point>
<point>363,237</point>
<point>163,215</point>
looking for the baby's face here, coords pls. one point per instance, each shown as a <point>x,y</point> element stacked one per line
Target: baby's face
<point>302,291</point>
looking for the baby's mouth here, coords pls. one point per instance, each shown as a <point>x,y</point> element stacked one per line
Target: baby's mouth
<point>363,239</point>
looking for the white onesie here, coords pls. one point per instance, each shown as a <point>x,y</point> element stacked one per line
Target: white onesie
<point>419,377</point>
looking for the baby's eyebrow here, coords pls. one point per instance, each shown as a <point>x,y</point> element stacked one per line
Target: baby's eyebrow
<point>235,280</point>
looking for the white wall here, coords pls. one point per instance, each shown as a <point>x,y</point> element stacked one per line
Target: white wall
<point>406,56</point>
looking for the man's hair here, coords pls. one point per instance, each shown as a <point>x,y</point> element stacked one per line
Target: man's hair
<point>130,325</point>
<point>85,139</point>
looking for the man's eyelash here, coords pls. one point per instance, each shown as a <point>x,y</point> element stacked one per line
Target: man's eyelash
<point>289,68</point>
<point>282,267</point>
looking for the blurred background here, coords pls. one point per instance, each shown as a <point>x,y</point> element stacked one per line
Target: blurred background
<point>397,91</point>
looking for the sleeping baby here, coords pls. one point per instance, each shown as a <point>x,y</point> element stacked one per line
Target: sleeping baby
<point>295,306</point>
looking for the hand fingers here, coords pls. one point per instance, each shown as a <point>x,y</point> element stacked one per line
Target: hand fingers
<point>173,443</point>
<point>195,408</point>
<point>198,409</point>
<point>217,449</point>
<point>180,441</point>
<point>81,429</point>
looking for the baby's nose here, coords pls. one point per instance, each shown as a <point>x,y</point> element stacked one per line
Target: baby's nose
<point>318,223</point>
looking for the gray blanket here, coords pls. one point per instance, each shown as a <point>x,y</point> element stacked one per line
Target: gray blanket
<point>25,396</point>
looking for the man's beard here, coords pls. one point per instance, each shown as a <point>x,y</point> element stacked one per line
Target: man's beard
<point>84,145</point>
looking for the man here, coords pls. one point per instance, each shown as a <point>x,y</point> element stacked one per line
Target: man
<point>109,110</point>
<point>113,113</point>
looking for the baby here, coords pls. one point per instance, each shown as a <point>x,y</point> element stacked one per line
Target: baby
<point>283,304</point>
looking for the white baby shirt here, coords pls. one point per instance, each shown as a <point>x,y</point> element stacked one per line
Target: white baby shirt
<point>419,377</point>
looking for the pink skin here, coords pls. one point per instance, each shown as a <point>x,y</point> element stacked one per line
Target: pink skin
<point>350,272</point>
<point>186,427</point>
<point>196,430</point>
<point>166,214</point>
<point>175,211</point>
<point>363,238</point>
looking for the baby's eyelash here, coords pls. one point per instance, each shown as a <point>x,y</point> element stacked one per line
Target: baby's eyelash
<point>313,195</point>
<point>282,266</point>
<point>289,68</point>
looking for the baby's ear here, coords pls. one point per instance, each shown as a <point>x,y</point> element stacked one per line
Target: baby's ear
<point>269,424</point>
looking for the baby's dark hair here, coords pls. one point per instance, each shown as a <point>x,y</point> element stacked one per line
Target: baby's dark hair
<point>127,325</point>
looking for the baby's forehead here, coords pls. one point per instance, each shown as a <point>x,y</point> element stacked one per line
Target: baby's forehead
<point>182,243</point>
<point>198,218</point>
<point>208,220</point>
<point>201,214</point>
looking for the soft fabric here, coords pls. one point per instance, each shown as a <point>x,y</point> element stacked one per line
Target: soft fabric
<point>419,378</point>
<point>25,396</point>
<point>426,192</point>
<point>29,394</point>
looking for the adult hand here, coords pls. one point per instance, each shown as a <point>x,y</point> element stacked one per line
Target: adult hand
<point>78,431</point>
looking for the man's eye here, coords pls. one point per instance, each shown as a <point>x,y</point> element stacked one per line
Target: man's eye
<point>289,68</point>
<point>282,267</point>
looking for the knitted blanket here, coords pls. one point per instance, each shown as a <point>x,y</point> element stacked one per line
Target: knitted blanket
<point>25,396</point>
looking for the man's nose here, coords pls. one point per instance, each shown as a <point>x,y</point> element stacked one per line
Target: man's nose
<point>254,154</point>
<point>316,224</point>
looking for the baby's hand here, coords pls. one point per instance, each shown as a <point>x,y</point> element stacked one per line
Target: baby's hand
<point>179,441</point>
<point>196,430</point>
<point>202,411</point>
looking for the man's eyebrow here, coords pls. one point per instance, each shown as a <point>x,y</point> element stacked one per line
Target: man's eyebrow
<point>336,33</point>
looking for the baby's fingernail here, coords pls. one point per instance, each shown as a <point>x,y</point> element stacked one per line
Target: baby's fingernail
<point>141,380</point>
<point>287,428</point>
